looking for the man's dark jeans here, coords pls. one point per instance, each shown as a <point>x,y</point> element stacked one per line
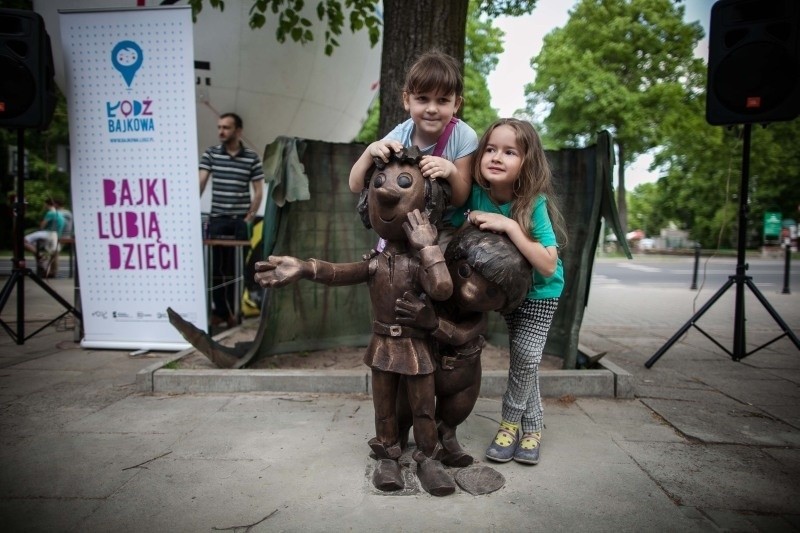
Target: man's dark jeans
<point>224,260</point>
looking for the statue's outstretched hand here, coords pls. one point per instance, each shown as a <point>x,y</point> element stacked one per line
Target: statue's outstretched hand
<point>278,271</point>
<point>419,231</point>
<point>411,310</point>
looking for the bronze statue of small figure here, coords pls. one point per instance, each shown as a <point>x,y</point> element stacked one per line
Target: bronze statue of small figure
<point>489,274</point>
<point>402,207</point>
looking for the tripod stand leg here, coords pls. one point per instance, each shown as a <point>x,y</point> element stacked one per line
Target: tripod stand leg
<point>739,330</point>
<point>773,313</point>
<point>49,290</point>
<point>19,270</point>
<point>650,362</point>
<point>15,280</point>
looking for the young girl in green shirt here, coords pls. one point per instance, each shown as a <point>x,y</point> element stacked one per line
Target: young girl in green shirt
<point>513,194</point>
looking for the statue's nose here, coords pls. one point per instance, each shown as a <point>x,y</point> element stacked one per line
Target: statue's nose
<point>388,196</point>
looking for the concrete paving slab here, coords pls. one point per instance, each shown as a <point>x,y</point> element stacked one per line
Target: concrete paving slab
<point>228,435</point>
<point>629,421</point>
<point>43,514</point>
<point>200,460</point>
<point>82,465</point>
<point>330,489</point>
<point>17,385</point>
<point>789,374</point>
<point>788,414</point>
<point>187,495</point>
<point>18,420</point>
<point>789,458</point>
<point>727,520</point>
<point>93,364</point>
<point>150,415</point>
<point>784,357</point>
<point>764,393</point>
<point>725,368</point>
<point>683,391</point>
<point>719,477</point>
<point>719,423</point>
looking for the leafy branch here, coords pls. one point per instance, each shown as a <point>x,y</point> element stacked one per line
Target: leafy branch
<point>292,24</point>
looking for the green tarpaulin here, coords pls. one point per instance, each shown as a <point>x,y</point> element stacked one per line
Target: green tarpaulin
<point>308,316</point>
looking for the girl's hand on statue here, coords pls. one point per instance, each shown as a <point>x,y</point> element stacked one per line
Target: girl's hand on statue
<point>383,149</point>
<point>434,167</point>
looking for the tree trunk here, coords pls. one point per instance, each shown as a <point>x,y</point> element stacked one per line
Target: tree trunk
<point>622,206</point>
<point>409,29</point>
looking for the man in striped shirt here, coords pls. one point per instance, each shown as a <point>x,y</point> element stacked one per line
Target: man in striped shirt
<point>234,170</point>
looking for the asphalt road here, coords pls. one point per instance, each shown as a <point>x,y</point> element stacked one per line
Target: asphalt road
<point>672,271</point>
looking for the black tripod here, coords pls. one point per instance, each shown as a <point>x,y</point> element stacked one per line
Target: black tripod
<point>740,280</point>
<point>18,269</point>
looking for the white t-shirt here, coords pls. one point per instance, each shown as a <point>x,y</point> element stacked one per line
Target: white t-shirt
<point>462,142</point>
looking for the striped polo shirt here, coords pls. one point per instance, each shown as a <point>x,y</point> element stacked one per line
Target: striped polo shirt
<point>230,178</point>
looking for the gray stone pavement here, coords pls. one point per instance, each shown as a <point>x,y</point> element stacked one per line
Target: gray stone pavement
<point>707,444</point>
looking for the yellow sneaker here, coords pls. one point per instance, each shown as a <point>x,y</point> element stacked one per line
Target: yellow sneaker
<point>527,451</point>
<point>505,442</point>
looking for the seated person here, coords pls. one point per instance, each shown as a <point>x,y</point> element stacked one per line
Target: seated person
<point>49,231</point>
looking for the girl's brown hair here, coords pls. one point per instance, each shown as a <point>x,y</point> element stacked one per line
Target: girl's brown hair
<point>535,177</point>
<point>434,71</point>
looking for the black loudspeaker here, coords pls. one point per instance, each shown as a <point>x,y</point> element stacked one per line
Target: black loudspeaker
<point>753,62</point>
<point>27,85</point>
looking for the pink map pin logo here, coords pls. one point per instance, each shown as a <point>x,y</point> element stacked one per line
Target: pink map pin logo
<point>127,57</point>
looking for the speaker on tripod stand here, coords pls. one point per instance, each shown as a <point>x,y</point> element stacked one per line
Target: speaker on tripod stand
<point>753,78</point>
<point>753,62</point>
<point>27,100</point>
<point>27,87</point>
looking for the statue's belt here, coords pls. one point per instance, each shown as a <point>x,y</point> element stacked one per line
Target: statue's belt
<point>396,330</point>
<point>464,355</point>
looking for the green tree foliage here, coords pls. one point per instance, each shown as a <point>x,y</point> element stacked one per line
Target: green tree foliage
<point>701,171</point>
<point>620,65</point>
<point>701,168</point>
<point>700,186</point>
<point>643,209</point>
<point>483,47</point>
<point>369,129</point>
<point>484,44</point>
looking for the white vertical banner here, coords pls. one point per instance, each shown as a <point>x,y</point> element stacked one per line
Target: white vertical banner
<point>135,192</point>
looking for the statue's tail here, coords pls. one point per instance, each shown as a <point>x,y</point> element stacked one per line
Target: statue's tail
<point>220,355</point>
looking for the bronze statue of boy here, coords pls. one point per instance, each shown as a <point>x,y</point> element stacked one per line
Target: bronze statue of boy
<point>402,207</point>
<point>489,274</point>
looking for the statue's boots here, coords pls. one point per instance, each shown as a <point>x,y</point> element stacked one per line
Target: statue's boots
<point>433,476</point>
<point>387,475</point>
<point>454,454</point>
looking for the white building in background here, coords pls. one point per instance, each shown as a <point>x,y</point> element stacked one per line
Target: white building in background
<point>277,88</point>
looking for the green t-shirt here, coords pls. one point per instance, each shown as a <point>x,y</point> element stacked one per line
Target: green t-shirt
<point>53,221</point>
<point>541,231</point>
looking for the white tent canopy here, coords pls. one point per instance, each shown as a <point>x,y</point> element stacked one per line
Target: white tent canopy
<point>278,88</point>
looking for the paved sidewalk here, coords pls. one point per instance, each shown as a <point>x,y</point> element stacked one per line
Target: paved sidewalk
<point>708,444</point>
